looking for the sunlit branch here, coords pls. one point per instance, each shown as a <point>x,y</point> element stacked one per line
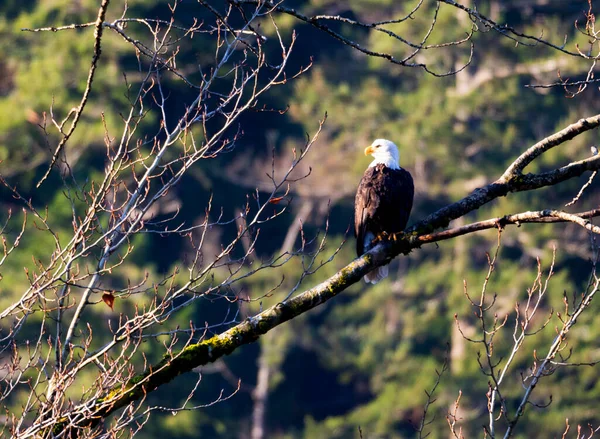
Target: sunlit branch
<point>250,330</point>
<point>76,113</point>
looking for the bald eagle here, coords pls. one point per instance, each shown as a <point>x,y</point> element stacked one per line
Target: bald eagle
<point>383,201</point>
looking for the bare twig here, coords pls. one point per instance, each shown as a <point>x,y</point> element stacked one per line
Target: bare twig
<point>77,112</point>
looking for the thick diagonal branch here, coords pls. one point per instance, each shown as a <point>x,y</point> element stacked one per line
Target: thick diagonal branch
<point>251,329</point>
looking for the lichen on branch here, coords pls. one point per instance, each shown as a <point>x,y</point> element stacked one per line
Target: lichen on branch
<point>248,331</point>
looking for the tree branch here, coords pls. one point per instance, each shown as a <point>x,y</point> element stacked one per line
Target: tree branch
<point>251,329</point>
<point>88,87</point>
<point>543,216</point>
<point>317,22</point>
<point>548,143</point>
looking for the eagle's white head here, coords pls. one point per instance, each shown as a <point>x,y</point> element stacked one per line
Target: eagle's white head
<point>384,152</point>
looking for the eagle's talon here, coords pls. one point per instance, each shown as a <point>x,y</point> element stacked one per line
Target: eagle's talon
<point>383,236</point>
<point>398,236</point>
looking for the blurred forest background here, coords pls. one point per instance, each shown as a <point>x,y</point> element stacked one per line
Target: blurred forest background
<point>364,360</point>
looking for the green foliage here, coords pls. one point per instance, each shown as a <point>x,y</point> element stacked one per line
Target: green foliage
<point>366,358</point>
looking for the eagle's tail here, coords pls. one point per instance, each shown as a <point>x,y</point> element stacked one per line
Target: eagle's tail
<point>376,275</point>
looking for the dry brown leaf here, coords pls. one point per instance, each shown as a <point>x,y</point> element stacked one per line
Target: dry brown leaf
<point>109,299</point>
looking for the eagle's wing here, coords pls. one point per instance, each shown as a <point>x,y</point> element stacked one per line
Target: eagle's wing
<point>383,203</point>
<point>365,205</point>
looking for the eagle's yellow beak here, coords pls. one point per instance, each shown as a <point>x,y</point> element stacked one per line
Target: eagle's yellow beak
<point>369,150</point>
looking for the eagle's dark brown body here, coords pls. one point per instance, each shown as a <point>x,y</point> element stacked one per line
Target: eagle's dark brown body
<point>383,203</point>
